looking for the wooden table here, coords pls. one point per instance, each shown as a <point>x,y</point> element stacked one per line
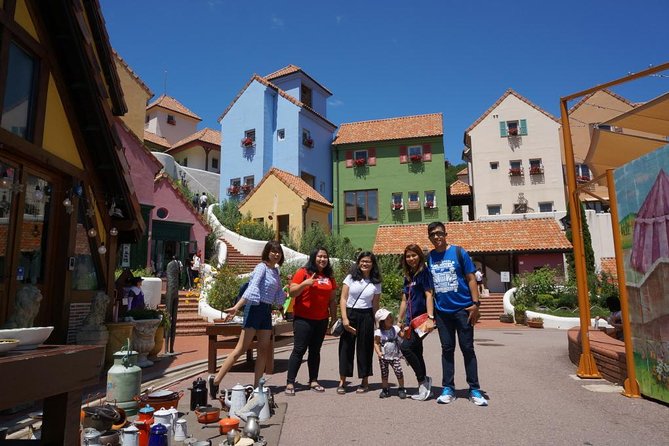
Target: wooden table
<point>282,334</point>
<point>56,374</point>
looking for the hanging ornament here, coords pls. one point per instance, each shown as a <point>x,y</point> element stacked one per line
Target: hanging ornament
<point>113,232</point>
<point>102,249</point>
<point>38,194</point>
<point>92,232</point>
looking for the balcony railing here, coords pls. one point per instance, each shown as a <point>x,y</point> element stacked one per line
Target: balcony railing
<point>516,172</point>
<point>536,170</point>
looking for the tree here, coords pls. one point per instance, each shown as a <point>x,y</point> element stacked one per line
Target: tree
<point>454,212</point>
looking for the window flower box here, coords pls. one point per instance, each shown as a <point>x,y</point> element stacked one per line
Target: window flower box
<point>416,158</point>
<point>536,170</point>
<point>513,132</point>
<point>246,188</point>
<point>429,204</point>
<point>515,171</point>
<point>233,190</point>
<point>247,142</point>
<point>414,205</point>
<point>308,142</point>
<point>360,162</point>
<point>397,206</point>
<point>582,179</point>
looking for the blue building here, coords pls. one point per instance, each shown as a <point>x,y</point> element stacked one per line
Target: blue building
<point>277,121</point>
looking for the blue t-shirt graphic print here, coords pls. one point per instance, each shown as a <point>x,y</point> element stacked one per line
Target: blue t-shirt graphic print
<point>451,289</point>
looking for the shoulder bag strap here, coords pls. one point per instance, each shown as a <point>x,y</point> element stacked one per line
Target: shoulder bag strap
<point>360,294</point>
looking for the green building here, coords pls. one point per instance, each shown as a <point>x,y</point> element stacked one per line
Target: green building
<point>388,171</point>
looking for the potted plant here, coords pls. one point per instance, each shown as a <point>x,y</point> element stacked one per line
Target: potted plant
<point>233,190</point>
<point>247,142</point>
<point>513,131</point>
<point>397,206</point>
<point>144,332</point>
<point>360,162</point>
<point>429,204</point>
<point>515,172</point>
<point>246,188</point>
<point>536,170</point>
<point>308,142</point>
<point>519,314</point>
<point>536,322</point>
<point>507,318</point>
<point>416,158</point>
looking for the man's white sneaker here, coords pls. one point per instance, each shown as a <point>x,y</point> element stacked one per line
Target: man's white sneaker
<point>447,396</point>
<point>476,397</point>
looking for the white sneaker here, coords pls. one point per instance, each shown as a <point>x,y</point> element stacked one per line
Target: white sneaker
<point>447,396</point>
<point>424,390</point>
<point>476,397</point>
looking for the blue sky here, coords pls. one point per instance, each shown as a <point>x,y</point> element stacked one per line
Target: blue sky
<point>392,58</point>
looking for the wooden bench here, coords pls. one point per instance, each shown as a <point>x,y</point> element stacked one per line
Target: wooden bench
<point>227,336</point>
<point>609,353</point>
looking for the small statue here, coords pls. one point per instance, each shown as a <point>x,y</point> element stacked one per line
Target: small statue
<point>96,316</point>
<point>28,299</point>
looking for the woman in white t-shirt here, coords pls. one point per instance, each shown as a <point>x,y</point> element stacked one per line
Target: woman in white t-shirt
<point>359,301</point>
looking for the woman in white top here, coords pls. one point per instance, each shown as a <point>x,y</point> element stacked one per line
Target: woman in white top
<point>359,301</point>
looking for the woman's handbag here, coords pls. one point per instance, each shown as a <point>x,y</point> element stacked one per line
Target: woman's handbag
<point>337,328</point>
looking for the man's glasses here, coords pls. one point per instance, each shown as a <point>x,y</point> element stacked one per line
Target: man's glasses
<point>437,234</point>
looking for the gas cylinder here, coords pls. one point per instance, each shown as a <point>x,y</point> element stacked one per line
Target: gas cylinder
<point>124,379</point>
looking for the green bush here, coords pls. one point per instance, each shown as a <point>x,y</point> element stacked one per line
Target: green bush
<point>228,214</point>
<point>546,300</point>
<point>254,230</point>
<point>393,281</point>
<point>224,288</point>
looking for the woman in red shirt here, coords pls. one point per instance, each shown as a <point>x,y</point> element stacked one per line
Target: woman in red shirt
<point>313,288</point>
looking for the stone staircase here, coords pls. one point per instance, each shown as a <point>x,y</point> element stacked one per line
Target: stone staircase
<point>492,306</point>
<point>189,322</point>
<point>244,264</point>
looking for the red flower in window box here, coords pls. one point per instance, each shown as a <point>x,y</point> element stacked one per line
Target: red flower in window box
<point>536,170</point>
<point>515,172</point>
<point>416,158</point>
<point>246,188</point>
<point>513,132</point>
<point>397,206</point>
<point>360,162</point>
<point>247,142</point>
<point>429,204</point>
<point>582,179</point>
<point>308,142</point>
<point>233,190</point>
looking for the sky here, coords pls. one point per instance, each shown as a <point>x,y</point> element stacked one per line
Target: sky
<point>384,59</point>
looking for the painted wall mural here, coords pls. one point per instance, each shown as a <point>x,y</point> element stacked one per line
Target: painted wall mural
<point>642,187</point>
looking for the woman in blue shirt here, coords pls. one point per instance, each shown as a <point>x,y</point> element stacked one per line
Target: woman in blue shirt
<point>417,287</point>
<point>264,290</point>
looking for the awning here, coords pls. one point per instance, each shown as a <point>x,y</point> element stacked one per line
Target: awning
<point>610,150</point>
<point>651,117</point>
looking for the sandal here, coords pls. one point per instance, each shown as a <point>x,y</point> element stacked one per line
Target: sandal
<point>317,388</point>
<point>362,389</point>
<point>290,391</point>
<point>341,390</point>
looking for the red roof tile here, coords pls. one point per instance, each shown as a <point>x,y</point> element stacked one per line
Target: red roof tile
<point>499,101</point>
<point>205,135</point>
<point>294,183</point>
<point>159,140</point>
<point>459,188</point>
<point>608,266</point>
<point>170,103</point>
<point>392,128</point>
<point>290,69</point>
<point>281,93</point>
<point>495,236</point>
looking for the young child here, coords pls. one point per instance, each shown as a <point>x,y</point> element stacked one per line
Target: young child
<point>387,348</point>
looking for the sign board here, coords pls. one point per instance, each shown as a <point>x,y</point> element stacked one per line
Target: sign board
<point>125,255</point>
<point>505,276</point>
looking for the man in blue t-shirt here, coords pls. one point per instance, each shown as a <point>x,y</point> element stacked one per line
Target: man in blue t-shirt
<point>456,310</point>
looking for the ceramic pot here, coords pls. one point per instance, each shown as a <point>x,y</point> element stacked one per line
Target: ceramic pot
<point>119,333</point>
<point>143,339</point>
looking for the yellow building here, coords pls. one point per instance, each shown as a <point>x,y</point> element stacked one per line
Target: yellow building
<point>66,198</point>
<point>287,203</point>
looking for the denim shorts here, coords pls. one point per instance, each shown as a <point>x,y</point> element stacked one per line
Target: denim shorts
<point>258,316</point>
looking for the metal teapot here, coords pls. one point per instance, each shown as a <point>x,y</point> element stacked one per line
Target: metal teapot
<point>266,411</point>
<point>252,427</point>
<point>198,394</point>
<point>235,398</point>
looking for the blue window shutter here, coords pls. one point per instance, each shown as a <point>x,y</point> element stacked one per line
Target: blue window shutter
<point>523,127</point>
<point>502,129</point>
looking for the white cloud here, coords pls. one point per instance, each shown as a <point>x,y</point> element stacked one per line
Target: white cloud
<point>277,22</point>
<point>335,103</point>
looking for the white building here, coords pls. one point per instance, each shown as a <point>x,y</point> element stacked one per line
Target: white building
<point>514,162</point>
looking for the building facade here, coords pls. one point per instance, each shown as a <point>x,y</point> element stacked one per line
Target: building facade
<point>277,121</point>
<point>388,171</point>
<point>513,155</point>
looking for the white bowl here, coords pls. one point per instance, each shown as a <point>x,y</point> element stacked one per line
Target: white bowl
<point>7,345</point>
<point>29,338</point>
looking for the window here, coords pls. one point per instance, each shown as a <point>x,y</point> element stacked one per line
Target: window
<point>361,206</point>
<point>214,163</point>
<point>305,95</point>
<point>397,203</point>
<point>235,187</point>
<point>162,213</point>
<point>536,168</point>
<point>494,165</point>
<point>546,206</point>
<point>171,120</point>
<point>235,182</point>
<point>360,157</point>
<point>248,185</point>
<point>513,128</point>
<point>309,179</point>
<point>18,108</point>
<point>415,153</point>
<point>582,173</point>
<point>249,139</point>
<point>430,199</point>
<point>494,209</point>
<point>281,134</point>
<point>414,200</point>
<point>515,168</point>
<point>306,138</point>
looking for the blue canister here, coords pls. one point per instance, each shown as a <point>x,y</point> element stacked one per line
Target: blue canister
<point>158,435</point>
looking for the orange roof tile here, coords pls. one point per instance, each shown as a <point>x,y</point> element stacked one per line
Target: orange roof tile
<point>608,266</point>
<point>294,183</point>
<point>281,93</point>
<point>159,140</point>
<point>205,135</point>
<point>134,75</point>
<point>464,171</point>
<point>459,188</point>
<point>290,69</point>
<point>480,236</point>
<point>499,101</point>
<point>170,103</point>
<point>392,128</point>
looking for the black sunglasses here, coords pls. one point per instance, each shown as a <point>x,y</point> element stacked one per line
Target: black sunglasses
<point>437,234</point>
